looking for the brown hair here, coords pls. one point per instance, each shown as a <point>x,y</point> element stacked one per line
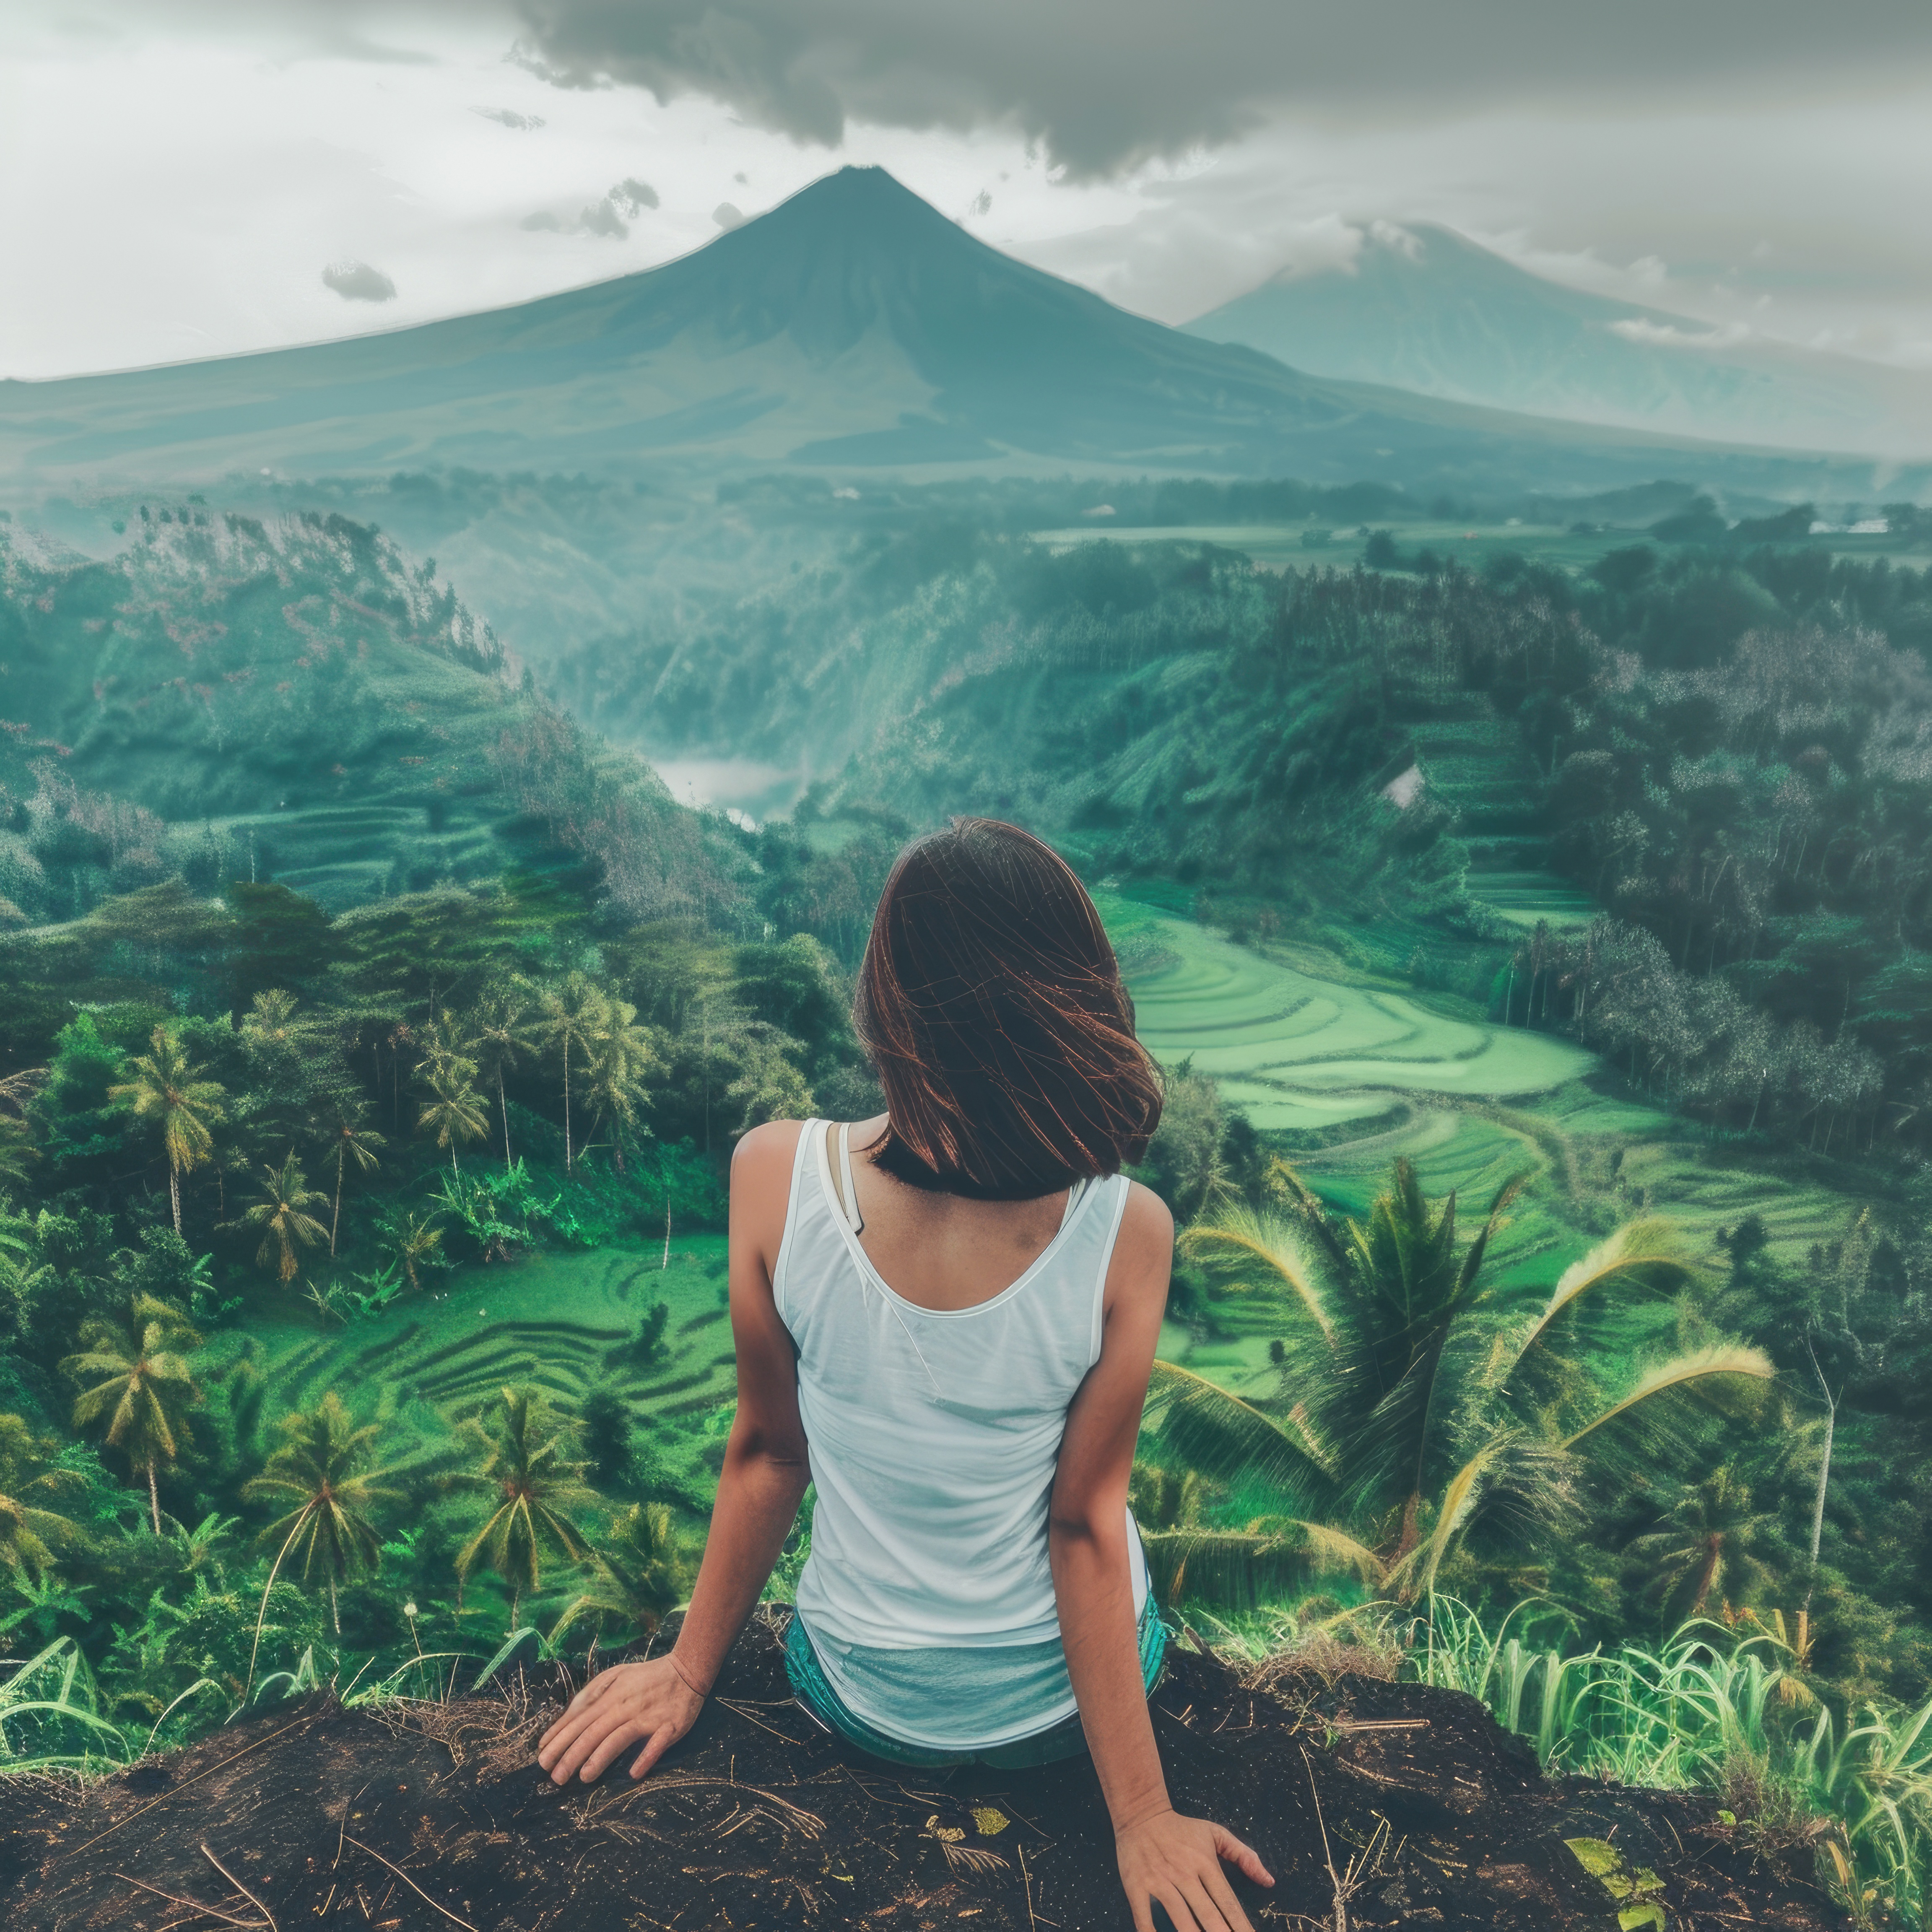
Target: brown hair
<point>991,1005</point>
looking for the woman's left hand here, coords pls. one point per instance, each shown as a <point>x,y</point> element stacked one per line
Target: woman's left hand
<point>1177,1860</point>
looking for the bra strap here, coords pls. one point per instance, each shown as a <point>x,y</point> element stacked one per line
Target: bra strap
<point>848,1193</point>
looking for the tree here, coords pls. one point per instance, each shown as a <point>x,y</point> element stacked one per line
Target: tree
<point>638,1575</point>
<point>619,1054</point>
<point>413,1238</point>
<point>499,1037</point>
<point>525,1470</point>
<point>569,1014</point>
<point>135,1373</point>
<point>1711,1542</point>
<point>453,1112</point>
<point>606,1425</point>
<point>320,1468</point>
<point>350,1138</point>
<point>28,1527</point>
<point>1430,1400</point>
<point>284,1217</point>
<point>769,1086</point>
<point>168,1088</point>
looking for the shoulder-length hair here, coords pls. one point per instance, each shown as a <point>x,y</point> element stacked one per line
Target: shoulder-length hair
<point>991,1005</point>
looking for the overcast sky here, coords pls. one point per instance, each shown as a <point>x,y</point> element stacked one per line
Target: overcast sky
<point>185,177</point>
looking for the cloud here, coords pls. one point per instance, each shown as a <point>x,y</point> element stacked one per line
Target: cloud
<point>727,216</point>
<point>605,216</point>
<point>601,218</point>
<point>1666,335</point>
<point>508,117</point>
<point>356,281</point>
<point>1104,86</point>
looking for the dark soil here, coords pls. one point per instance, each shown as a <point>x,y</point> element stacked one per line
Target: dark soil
<point>413,1818</point>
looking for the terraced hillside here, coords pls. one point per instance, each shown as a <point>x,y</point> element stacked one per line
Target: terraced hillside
<point>560,1321</point>
<point>225,700</point>
<point>1297,1051</point>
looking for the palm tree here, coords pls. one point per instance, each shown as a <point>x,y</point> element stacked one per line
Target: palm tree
<point>136,1374</point>
<point>569,1015</point>
<point>319,1469</point>
<point>639,1575</point>
<point>1707,1544</point>
<point>453,1111</point>
<point>620,1054</point>
<point>499,1035</point>
<point>282,1214</point>
<point>167,1088</point>
<point>414,1238</point>
<point>525,1470</point>
<point>1426,1392</point>
<point>27,1525</point>
<point>350,1138</point>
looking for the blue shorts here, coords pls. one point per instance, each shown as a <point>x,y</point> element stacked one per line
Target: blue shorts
<point>1066,1739</point>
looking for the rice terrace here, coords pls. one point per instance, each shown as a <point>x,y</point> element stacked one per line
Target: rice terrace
<point>456,742</point>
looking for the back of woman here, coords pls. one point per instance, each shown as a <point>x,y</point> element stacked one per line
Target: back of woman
<point>945,1319</point>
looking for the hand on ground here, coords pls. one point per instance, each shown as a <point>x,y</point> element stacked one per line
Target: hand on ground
<point>617,1708</point>
<point>1177,1860</point>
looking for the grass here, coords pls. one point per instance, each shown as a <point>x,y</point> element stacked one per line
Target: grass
<point>1708,1709</point>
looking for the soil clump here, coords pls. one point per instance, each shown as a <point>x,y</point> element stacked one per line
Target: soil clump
<point>1375,1804</point>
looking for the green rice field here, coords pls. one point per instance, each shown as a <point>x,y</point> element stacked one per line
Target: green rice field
<point>1296,1051</point>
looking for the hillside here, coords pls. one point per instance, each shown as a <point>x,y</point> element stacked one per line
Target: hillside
<point>1429,1814</point>
<point>852,328</point>
<point>1428,310</point>
<point>223,700</point>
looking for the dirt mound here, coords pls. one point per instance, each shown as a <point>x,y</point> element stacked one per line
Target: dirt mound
<point>422,1816</point>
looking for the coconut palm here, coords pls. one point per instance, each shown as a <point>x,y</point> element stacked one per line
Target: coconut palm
<point>638,1576</point>
<point>412,1238</point>
<point>320,1469</point>
<point>620,1054</point>
<point>1430,1399</point>
<point>569,1016</point>
<point>167,1088</point>
<point>284,1217</point>
<point>499,1037</point>
<point>1708,1544</point>
<point>525,1472</point>
<point>28,1527</point>
<point>134,1372</point>
<point>453,1113</point>
<point>349,1137</point>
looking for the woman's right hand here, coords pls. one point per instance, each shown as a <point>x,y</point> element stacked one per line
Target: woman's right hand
<point>1176,1862</point>
<point>618,1706</point>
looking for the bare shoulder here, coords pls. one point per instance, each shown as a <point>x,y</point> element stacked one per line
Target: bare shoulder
<point>1146,1218</point>
<point>765,1155</point>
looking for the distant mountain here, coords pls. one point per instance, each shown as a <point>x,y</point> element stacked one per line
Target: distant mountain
<point>1426,309</point>
<point>852,326</point>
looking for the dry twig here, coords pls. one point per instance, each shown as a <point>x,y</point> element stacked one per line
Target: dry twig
<point>412,1886</point>
<point>242,1888</point>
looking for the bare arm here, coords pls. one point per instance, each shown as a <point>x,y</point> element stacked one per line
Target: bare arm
<point>764,1476</point>
<point>1162,1855</point>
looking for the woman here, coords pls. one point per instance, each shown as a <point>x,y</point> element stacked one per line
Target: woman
<point>946,1317</point>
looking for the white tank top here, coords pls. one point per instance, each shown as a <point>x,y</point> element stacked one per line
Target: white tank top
<point>934,1434</point>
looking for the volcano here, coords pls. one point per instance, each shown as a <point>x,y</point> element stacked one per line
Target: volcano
<point>852,326</point>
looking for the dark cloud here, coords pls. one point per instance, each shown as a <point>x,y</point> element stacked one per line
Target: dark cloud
<point>543,223</point>
<point>1103,85</point>
<point>633,197</point>
<point>727,216</point>
<point>508,117</point>
<point>356,281</point>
